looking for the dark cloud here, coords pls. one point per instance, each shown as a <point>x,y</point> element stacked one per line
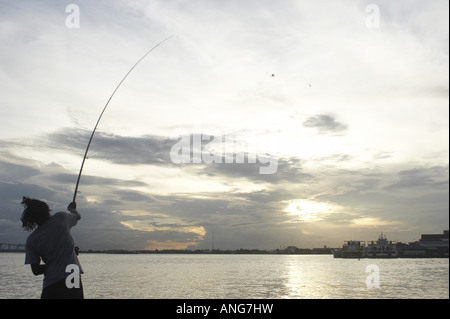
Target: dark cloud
<point>428,179</point>
<point>325,123</point>
<point>90,180</point>
<point>416,197</point>
<point>152,150</point>
<point>155,150</point>
<point>12,172</point>
<point>287,170</point>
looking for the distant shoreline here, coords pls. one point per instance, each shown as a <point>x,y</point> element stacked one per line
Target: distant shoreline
<point>216,252</point>
<point>298,251</point>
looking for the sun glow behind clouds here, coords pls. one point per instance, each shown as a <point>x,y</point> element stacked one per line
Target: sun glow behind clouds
<point>308,210</point>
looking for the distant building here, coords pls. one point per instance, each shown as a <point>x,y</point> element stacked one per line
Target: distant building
<point>436,245</point>
<point>429,245</point>
<point>434,240</point>
<point>412,250</point>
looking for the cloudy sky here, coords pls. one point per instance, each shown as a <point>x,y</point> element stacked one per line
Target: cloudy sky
<point>265,123</point>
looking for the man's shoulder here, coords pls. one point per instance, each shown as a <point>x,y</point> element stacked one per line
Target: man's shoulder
<point>60,214</point>
<point>56,218</point>
<point>66,218</point>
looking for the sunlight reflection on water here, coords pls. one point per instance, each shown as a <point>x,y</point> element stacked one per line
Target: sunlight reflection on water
<point>237,276</point>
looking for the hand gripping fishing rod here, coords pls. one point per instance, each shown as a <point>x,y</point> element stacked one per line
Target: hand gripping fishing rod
<point>104,108</point>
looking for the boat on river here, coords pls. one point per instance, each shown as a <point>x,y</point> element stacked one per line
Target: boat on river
<point>382,248</point>
<point>351,249</point>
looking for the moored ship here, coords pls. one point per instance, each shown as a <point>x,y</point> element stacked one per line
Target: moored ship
<point>382,248</point>
<point>429,246</point>
<point>351,249</point>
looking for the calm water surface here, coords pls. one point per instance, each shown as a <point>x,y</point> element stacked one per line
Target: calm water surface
<point>237,276</point>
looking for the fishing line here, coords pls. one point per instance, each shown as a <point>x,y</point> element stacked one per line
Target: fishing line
<point>104,109</point>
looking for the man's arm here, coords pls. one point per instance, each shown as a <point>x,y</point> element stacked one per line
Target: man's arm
<point>73,209</point>
<point>38,269</point>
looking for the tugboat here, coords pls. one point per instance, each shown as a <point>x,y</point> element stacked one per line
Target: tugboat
<point>382,248</point>
<point>351,249</point>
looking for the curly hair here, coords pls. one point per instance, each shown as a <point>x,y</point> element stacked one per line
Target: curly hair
<point>35,213</point>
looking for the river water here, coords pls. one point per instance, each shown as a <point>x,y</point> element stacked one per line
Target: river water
<point>195,276</point>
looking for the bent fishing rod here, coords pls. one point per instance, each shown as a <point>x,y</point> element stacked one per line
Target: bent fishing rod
<point>104,109</point>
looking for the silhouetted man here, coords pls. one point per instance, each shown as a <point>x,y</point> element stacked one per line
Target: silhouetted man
<point>52,242</point>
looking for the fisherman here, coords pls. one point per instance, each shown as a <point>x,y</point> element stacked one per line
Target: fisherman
<point>52,242</point>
